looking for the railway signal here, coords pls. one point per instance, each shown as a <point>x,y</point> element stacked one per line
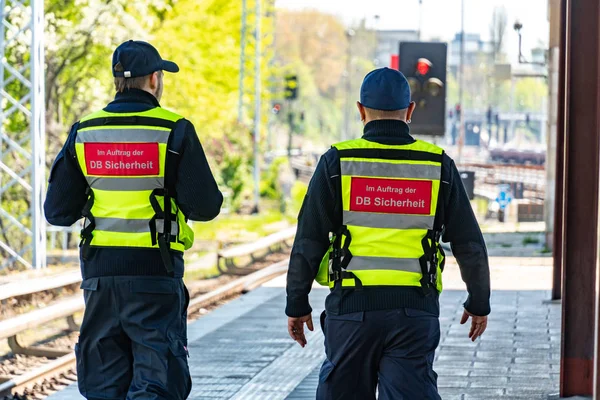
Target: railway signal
<point>291,87</point>
<point>424,65</point>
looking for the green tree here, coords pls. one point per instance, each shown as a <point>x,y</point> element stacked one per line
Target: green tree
<point>315,47</point>
<point>204,38</point>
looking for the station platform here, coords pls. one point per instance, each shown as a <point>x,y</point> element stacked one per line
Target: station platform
<point>242,350</point>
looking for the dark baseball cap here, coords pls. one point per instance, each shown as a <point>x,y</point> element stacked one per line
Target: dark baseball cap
<point>385,89</point>
<point>139,59</point>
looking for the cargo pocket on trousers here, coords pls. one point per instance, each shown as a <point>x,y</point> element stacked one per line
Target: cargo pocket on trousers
<point>326,370</point>
<point>80,370</point>
<point>180,381</point>
<point>153,286</point>
<point>88,286</point>
<point>159,295</point>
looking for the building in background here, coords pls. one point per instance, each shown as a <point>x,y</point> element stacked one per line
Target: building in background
<point>476,51</point>
<point>388,44</point>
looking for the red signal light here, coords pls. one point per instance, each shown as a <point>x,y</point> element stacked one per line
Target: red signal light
<point>423,66</point>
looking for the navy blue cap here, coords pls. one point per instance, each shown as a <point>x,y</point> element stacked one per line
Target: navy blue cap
<point>385,89</point>
<point>139,59</point>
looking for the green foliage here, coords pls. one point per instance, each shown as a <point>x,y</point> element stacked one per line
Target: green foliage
<point>314,46</point>
<point>203,37</point>
<point>298,194</point>
<point>482,90</point>
<point>235,175</point>
<point>530,240</point>
<point>232,157</point>
<point>531,94</point>
<point>239,228</point>
<point>270,185</point>
<point>80,38</point>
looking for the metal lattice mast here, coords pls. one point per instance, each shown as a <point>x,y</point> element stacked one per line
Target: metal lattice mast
<point>22,134</point>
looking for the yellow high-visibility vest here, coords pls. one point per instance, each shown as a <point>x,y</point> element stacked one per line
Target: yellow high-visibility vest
<point>389,198</point>
<point>123,157</point>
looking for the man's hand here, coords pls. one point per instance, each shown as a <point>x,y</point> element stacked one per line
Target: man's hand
<point>478,324</point>
<point>296,328</point>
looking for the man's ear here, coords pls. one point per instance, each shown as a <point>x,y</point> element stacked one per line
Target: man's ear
<point>361,110</point>
<point>411,109</point>
<point>154,77</point>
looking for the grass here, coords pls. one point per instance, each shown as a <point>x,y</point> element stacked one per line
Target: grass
<point>506,245</point>
<point>211,271</point>
<point>238,228</point>
<point>234,228</point>
<point>530,240</point>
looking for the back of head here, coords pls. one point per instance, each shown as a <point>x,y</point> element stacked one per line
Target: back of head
<point>134,63</point>
<point>385,94</point>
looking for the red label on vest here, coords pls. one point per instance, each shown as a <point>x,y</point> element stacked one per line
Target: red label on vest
<point>392,196</point>
<point>122,159</point>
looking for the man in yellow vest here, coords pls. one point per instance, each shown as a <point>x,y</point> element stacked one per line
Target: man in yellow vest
<point>136,173</point>
<point>370,228</point>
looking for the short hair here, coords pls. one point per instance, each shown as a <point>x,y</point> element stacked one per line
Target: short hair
<point>123,84</point>
<point>382,114</point>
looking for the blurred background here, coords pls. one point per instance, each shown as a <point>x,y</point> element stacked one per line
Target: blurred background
<point>270,85</point>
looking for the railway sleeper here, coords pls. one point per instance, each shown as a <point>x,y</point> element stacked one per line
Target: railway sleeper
<point>36,351</point>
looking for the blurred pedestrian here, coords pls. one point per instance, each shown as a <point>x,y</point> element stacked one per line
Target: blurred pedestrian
<point>370,229</point>
<point>136,172</point>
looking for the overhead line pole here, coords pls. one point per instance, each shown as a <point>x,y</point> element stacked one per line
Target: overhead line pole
<point>38,135</point>
<point>242,62</point>
<point>257,105</point>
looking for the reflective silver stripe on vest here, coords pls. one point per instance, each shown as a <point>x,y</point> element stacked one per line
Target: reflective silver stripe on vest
<point>132,225</point>
<point>122,225</point>
<point>125,184</point>
<point>389,170</point>
<point>384,263</point>
<point>123,135</point>
<point>390,221</point>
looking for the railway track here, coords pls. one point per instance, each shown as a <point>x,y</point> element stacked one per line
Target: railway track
<point>39,377</point>
<point>37,372</point>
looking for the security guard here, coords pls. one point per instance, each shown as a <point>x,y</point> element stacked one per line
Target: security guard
<point>136,172</point>
<point>370,228</point>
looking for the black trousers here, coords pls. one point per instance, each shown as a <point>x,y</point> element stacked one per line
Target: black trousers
<point>133,339</point>
<point>389,350</point>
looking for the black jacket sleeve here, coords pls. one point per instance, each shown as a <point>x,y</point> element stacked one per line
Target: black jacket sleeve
<point>198,195</point>
<point>465,238</point>
<point>319,215</point>
<point>66,195</point>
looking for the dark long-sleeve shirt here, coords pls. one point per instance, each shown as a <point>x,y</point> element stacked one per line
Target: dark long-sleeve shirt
<point>321,214</point>
<point>197,195</point>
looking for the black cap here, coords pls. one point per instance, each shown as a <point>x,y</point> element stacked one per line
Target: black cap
<point>139,59</point>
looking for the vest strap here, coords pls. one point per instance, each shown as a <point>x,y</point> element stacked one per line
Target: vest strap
<point>341,257</point>
<point>171,165</point>
<point>429,261</point>
<point>86,232</point>
<point>162,238</point>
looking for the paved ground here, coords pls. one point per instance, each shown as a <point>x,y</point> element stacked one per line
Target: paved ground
<point>242,351</point>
